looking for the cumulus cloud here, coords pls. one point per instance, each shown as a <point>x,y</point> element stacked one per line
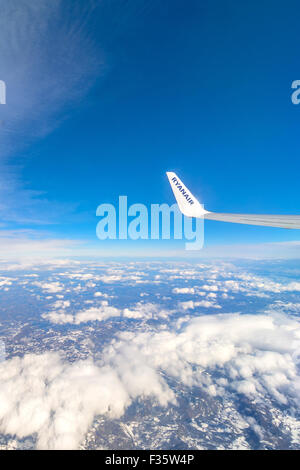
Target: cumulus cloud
<point>211,287</point>
<point>258,285</point>
<point>61,304</point>
<point>103,311</point>
<point>4,282</point>
<point>108,277</point>
<point>183,290</point>
<point>224,354</point>
<point>99,313</point>
<point>147,311</point>
<point>57,401</point>
<point>51,287</point>
<point>228,278</point>
<point>190,304</point>
<point>102,294</point>
<point>286,307</point>
<point>255,354</point>
<point>59,317</point>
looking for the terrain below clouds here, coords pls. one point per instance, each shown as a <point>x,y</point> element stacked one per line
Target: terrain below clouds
<point>160,355</point>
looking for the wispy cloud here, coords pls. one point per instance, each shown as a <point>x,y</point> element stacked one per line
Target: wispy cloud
<point>28,245</point>
<point>48,61</point>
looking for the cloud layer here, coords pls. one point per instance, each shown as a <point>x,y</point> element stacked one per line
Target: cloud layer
<point>253,355</point>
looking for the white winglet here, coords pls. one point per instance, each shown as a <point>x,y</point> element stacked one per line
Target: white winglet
<point>187,203</point>
<point>190,207</point>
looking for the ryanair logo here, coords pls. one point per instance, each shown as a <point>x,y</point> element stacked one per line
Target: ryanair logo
<point>182,191</point>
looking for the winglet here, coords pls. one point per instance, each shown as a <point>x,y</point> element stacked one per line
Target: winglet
<point>187,203</point>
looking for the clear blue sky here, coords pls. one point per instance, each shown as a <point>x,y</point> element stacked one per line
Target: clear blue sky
<point>113,94</point>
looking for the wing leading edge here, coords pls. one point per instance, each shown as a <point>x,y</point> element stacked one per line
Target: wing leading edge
<point>282,221</point>
<point>191,207</point>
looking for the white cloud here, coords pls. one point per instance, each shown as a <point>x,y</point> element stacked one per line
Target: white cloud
<point>211,287</point>
<point>51,287</point>
<point>257,353</point>
<point>4,282</point>
<point>56,400</point>
<point>81,276</point>
<point>191,304</point>
<point>102,294</point>
<point>146,311</point>
<point>211,295</point>
<point>102,311</point>
<point>61,304</point>
<point>30,252</point>
<point>59,317</point>
<point>183,290</point>
<point>286,307</point>
<point>257,285</point>
<point>109,277</point>
<point>253,355</point>
<point>99,313</point>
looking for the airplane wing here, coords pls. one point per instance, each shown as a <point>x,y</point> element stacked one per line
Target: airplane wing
<point>283,221</point>
<point>191,207</point>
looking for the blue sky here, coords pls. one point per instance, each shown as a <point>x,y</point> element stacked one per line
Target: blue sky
<point>104,97</point>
